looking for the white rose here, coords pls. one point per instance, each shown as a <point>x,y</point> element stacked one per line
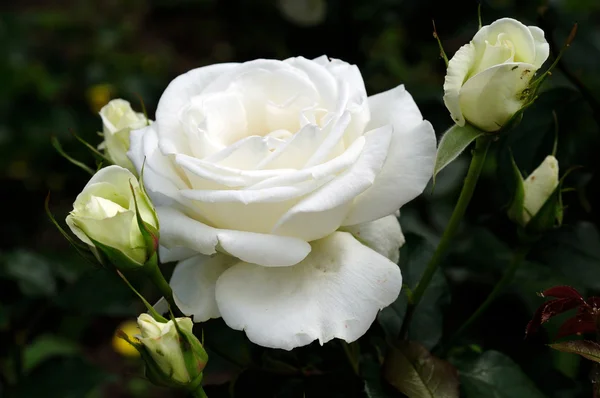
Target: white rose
<point>105,212</point>
<point>253,168</point>
<point>486,78</point>
<point>538,187</point>
<point>118,120</point>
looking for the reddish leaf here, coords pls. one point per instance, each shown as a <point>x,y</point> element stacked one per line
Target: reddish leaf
<point>562,292</point>
<point>594,302</point>
<point>582,323</point>
<point>548,310</point>
<point>585,348</point>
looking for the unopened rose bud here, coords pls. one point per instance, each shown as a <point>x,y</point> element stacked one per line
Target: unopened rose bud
<point>537,190</point>
<point>174,349</point>
<point>104,216</point>
<point>539,186</point>
<point>118,120</point>
<point>488,79</point>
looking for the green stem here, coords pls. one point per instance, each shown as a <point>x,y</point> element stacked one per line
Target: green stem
<point>517,259</point>
<point>153,271</point>
<point>477,161</point>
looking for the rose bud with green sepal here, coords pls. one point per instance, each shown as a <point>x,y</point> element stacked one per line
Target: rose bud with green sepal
<point>488,79</point>
<point>115,218</point>
<point>174,357</point>
<point>537,205</point>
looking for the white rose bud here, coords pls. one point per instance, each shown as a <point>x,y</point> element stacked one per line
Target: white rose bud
<point>487,79</point>
<point>105,212</point>
<point>539,186</point>
<point>177,353</point>
<point>118,120</point>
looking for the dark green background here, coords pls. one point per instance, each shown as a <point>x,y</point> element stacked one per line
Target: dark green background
<point>57,314</point>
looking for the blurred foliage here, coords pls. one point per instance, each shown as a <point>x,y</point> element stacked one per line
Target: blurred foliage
<point>61,61</point>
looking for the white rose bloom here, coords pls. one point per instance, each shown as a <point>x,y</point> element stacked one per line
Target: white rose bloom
<point>485,79</point>
<point>105,212</point>
<point>118,119</point>
<point>254,167</point>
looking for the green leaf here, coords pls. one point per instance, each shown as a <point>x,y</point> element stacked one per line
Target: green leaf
<point>270,361</point>
<point>494,375</point>
<point>226,344</point>
<point>45,347</point>
<point>413,371</point>
<point>574,250</point>
<point>427,323</point>
<point>453,143</point>
<point>372,377</point>
<point>32,273</point>
<point>585,348</point>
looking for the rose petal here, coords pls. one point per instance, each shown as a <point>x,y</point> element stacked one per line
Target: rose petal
<point>333,144</point>
<point>492,55</point>
<point>160,178</point>
<point>409,164</point>
<point>176,97</point>
<point>489,99</point>
<point>222,115</point>
<point>322,171</point>
<point>511,30</point>
<point>265,85</point>
<point>322,212</point>
<point>296,151</point>
<point>323,80</point>
<point>335,292</point>
<point>458,70</point>
<point>193,283</point>
<point>542,48</point>
<point>350,74</point>
<point>383,235</point>
<point>179,230</point>
<point>167,255</point>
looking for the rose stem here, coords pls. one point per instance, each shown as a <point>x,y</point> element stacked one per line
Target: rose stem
<point>516,260</point>
<point>153,272</point>
<point>479,153</point>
